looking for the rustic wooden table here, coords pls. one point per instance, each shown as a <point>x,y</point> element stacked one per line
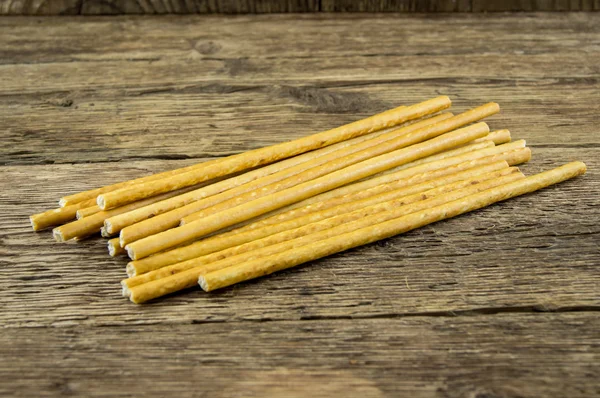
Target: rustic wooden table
<point>503,302</point>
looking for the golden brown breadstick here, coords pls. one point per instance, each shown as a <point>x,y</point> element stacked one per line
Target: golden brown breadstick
<point>401,179</point>
<point>336,215</point>
<point>262,156</point>
<point>316,211</point>
<point>114,248</point>
<point>471,147</point>
<point>88,211</point>
<point>390,175</point>
<point>414,137</point>
<point>334,161</point>
<point>166,214</point>
<point>92,194</point>
<point>92,224</point>
<point>311,233</point>
<point>298,255</point>
<point>498,137</point>
<point>214,222</point>
<point>57,216</point>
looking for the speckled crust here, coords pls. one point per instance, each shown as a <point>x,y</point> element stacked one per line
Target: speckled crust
<point>265,179</point>
<point>396,225</point>
<point>402,141</point>
<point>333,216</point>
<point>401,179</point>
<point>92,224</point>
<point>312,213</point>
<point>117,223</point>
<point>248,210</point>
<point>58,216</point>
<point>262,156</point>
<point>313,232</point>
<point>398,172</point>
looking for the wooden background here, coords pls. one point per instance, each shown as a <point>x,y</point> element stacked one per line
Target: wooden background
<point>503,302</point>
<point>97,7</point>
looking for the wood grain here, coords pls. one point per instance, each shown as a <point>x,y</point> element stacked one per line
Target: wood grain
<point>121,96</point>
<point>502,302</point>
<point>503,355</point>
<point>115,7</point>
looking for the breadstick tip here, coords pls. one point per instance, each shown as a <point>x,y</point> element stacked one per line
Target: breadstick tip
<point>130,269</point>
<point>57,234</point>
<point>100,201</point>
<point>34,224</point>
<point>62,202</point>
<point>125,290</point>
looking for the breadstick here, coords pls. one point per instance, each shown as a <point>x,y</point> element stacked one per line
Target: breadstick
<point>499,137</point>
<point>92,194</point>
<point>92,224</point>
<point>334,161</point>
<point>416,136</point>
<point>225,246</point>
<point>390,175</point>
<point>58,216</point>
<point>114,248</point>
<point>401,179</point>
<point>298,255</point>
<point>214,222</point>
<point>88,211</point>
<point>311,233</point>
<point>166,214</point>
<point>262,156</point>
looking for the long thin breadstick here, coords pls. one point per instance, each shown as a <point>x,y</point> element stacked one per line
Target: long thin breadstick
<point>277,233</point>
<point>315,212</point>
<point>92,224</point>
<point>498,137</point>
<point>298,255</point>
<point>334,161</point>
<point>214,222</point>
<point>390,174</point>
<point>414,137</point>
<point>401,179</point>
<point>272,153</point>
<point>166,214</point>
<point>57,216</point>
<point>313,233</point>
<point>114,248</point>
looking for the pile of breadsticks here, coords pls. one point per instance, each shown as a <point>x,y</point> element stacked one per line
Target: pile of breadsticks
<point>216,223</point>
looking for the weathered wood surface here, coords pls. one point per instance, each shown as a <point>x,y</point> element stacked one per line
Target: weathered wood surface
<point>112,7</point>
<point>87,102</point>
<point>503,355</point>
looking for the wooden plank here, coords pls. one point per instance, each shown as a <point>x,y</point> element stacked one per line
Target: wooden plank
<point>193,123</point>
<point>536,251</point>
<point>123,96</point>
<point>196,38</point>
<point>504,355</point>
<point>114,7</point>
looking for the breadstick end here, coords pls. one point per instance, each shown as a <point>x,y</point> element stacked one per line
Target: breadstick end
<point>130,252</point>
<point>58,235</point>
<point>125,290</point>
<point>130,269</point>
<point>108,226</point>
<point>34,224</point>
<point>78,215</point>
<point>104,233</point>
<point>101,202</point>
<point>203,284</point>
<point>62,202</point>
